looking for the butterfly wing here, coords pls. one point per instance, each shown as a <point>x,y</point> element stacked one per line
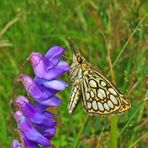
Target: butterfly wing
<point>75,98</point>
<point>100,96</point>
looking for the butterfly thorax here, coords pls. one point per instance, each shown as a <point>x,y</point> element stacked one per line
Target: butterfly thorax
<point>79,68</point>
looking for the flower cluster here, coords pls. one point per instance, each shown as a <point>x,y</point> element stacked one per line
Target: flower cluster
<point>35,124</point>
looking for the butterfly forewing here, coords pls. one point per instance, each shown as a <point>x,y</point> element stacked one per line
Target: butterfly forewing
<point>99,95</point>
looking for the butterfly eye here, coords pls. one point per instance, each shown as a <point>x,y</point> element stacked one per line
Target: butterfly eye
<point>79,59</point>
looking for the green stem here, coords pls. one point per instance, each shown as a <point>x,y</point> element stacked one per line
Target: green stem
<point>80,133</point>
<point>114,132</point>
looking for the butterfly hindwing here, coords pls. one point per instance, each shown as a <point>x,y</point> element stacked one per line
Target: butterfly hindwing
<point>97,98</point>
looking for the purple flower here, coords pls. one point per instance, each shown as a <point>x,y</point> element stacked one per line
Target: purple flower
<point>50,66</point>
<point>35,125</point>
<point>33,113</point>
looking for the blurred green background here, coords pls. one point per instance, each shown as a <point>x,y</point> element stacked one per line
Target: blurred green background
<point>95,25</point>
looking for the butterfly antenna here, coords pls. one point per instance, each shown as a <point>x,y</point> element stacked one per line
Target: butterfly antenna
<point>74,46</point>
<point>68,58</point>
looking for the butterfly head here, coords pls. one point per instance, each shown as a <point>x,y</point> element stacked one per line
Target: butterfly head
<point>77,58</point>
<point>81,60</point>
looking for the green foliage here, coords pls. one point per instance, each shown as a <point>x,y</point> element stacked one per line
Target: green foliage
<point>27,26</point>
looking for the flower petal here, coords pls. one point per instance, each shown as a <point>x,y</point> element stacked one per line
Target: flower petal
<point>52,101</point>
<point>30,86</point>
<point>35,58</point>
<point>43,110</point>
<point>57,71</point>
<point>55,52</point>
<point>55,84</point>
<point>28,143</point>
<point>63,65</point>
<point>40,70</point>
<point>48,114</point>
<point>16,144</point>
<point>47,132</point>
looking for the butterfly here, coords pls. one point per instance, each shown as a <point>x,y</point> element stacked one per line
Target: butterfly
<point>98,94</point>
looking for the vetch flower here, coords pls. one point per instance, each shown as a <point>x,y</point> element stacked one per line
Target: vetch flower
<point>50,66</point>
<point>30,132</point>
<point>32,113</point>
<point>28,143</point>
<point>35,124</point>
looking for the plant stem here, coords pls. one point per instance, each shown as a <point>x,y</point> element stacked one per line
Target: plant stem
<point>114,119</point>
<point>80,132</point>
<point>114,132</point>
